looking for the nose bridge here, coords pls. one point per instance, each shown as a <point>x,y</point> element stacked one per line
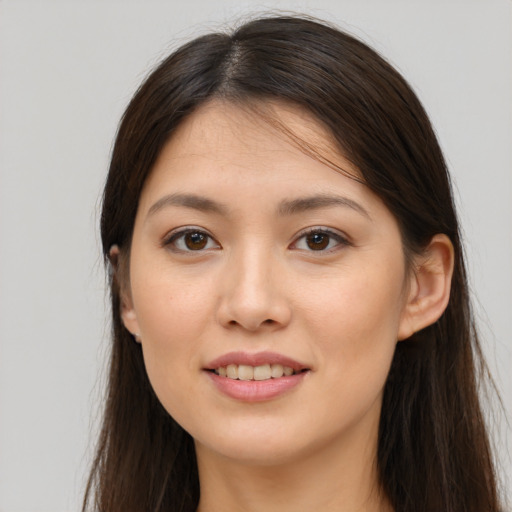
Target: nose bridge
<point>253,293</point>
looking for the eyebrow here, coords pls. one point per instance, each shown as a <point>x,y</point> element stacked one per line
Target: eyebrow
<point>285,208</point>
<point>317,202</point>
<point>193,201</point>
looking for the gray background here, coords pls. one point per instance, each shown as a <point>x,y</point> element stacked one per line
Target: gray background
<point>67,70</point>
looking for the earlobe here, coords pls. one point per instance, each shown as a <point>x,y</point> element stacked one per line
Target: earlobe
<point>429,290</point>
<point>128,314</point>
<point>130,319</point>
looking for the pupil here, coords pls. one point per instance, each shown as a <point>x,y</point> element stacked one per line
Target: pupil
<point>195,241</point>
<point>317,241</point>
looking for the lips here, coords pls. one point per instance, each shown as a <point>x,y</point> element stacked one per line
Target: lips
<point>255,377</point>
<point>255,360</point>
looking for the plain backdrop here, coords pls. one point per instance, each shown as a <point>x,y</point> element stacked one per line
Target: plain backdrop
<point>68,69</point>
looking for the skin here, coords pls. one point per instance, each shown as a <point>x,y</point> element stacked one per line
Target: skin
<point>258,286</point>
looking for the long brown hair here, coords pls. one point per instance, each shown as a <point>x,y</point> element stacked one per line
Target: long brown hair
<point>433,449</point>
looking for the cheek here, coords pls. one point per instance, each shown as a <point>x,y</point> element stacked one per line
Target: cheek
<point>358,304</point>
<point>170,307</point>
<point>173,316</point>
<point>356,323</point>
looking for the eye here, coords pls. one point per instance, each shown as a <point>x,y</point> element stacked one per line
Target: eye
<point>190,240</point>
<point>319,239</point>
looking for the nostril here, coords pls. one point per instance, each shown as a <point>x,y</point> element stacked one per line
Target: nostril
<point>268,321</point>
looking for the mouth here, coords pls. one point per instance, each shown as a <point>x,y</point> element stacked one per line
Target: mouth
<point>261,372</point>
<point>258,377</point>
<point>255,367</point>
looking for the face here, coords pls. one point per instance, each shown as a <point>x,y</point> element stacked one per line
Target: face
<point>268,289</point>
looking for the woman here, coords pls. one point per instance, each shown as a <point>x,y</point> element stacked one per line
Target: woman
<point>291,323</point>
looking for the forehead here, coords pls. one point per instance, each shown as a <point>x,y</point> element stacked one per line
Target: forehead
<point>255,122</point>
<point>273,140</point>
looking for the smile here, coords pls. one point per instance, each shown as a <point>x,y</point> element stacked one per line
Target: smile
<point>260,372</point>
<point>256,377</point>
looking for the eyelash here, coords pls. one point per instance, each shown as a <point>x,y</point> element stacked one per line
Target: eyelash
<point>341,241</point>
<point>173,237</point>
<point>176,236</point>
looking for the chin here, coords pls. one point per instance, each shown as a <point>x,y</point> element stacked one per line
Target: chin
<point>264,445</point>
<point>255,452</point>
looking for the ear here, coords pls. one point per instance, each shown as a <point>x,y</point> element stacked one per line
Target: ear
<point>128,314</point>
<point>429,287</point>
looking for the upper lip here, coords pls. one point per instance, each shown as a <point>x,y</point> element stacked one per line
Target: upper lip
<point>255,359</point>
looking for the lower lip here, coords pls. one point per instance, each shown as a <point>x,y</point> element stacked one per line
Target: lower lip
<point>256,390</point>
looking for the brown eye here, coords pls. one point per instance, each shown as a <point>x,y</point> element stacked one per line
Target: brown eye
<point>317,241</point>
<point>190,240</point>
<point>195,241</point>
<point>320,240</point>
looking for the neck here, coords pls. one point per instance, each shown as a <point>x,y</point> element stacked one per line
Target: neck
<point>341,477</point>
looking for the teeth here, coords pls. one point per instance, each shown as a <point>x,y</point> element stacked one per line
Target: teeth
<point>287,370</point>
<point>262,372</point>
<point>276,371</point>
<point>232,371</point>
<point>246,372</point>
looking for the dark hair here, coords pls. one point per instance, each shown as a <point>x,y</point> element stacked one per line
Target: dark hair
<point>433,450</point>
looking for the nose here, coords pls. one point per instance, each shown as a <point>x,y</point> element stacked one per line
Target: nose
<point>253,293</point>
